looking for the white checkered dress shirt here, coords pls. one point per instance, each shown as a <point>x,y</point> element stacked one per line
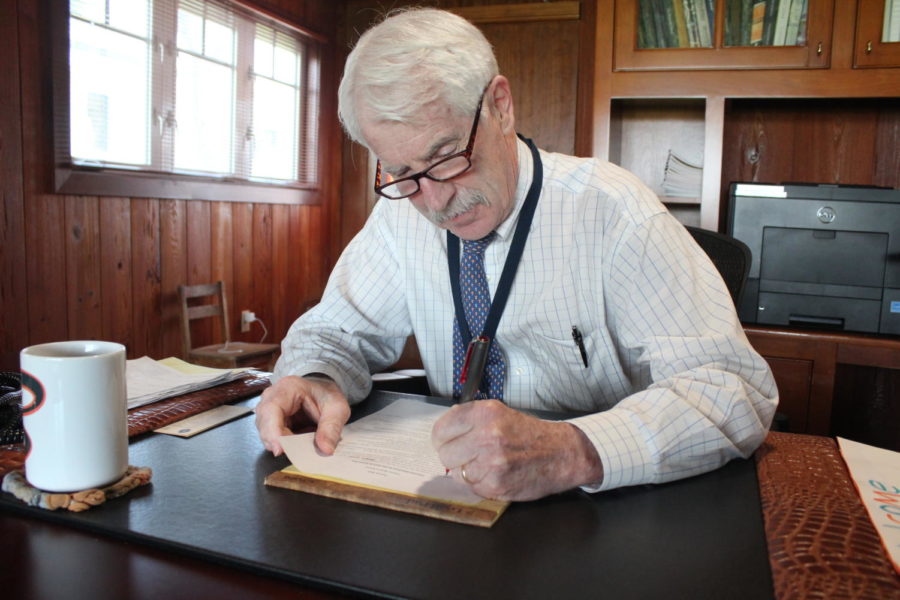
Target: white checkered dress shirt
<point>673,387</point>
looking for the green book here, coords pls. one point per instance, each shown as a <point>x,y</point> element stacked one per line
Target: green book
<point>647,20</point>
<point>769,23</point>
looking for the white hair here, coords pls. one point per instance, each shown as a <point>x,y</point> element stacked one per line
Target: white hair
<point>412,58</point>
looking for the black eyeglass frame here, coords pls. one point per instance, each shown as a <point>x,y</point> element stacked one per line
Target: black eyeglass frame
<point>466,153</point>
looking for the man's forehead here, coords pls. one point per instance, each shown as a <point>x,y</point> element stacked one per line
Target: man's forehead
<point>402,144</point>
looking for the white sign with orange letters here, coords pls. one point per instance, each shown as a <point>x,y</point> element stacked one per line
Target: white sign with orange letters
<point>876,473</point>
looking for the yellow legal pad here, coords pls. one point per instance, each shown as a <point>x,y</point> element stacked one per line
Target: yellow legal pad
<point>482,514</point>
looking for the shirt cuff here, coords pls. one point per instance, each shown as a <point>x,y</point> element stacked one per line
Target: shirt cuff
<point>314,369</point>
<point>620,446</point>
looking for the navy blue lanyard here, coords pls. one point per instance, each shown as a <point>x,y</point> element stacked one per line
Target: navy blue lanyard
<point>512,259</point>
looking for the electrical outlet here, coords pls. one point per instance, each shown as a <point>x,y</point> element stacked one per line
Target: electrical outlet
<point>247,317</point>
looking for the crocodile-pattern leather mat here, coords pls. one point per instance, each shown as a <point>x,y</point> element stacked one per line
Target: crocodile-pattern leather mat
<point>822,543</point>
<point>153,416</point>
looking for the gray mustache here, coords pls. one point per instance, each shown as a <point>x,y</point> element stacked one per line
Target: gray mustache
<point>460,205</point>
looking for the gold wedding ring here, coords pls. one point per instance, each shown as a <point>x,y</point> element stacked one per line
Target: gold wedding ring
<point>462,471</point>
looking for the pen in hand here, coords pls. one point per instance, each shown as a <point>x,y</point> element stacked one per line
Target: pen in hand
<point>472,371</point>
<point>473,368</point>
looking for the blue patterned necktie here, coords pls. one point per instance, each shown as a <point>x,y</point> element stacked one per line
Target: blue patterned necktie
<point>476,301</point>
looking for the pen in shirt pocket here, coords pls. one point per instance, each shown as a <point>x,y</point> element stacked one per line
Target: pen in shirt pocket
<point>579,341</point>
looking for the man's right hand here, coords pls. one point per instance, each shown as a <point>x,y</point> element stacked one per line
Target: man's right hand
<point>295,401</point>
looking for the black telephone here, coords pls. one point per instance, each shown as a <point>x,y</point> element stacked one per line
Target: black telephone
<point>11,431</point>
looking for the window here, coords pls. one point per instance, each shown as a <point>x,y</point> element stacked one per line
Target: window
<point>201,96</point>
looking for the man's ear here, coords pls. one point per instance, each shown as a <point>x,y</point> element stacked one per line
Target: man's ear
<point>501,104</point>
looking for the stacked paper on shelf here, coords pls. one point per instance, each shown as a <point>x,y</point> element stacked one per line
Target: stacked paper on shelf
<point>683,178</point>
<point>149,380</point>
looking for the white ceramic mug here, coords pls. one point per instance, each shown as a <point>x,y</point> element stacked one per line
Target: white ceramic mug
<point>74,409</point>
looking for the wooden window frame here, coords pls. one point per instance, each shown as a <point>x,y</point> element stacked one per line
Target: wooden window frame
<point>76,179</point>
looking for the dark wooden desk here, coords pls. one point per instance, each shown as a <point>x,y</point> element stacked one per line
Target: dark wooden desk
<point>806,365</point>
<point>701,537</point>
<point>46,560</point>
<point>190,536</point>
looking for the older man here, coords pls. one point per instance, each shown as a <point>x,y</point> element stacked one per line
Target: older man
<point>584,293</point>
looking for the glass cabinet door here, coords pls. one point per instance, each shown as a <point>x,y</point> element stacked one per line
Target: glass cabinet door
<point>681,24</point>
<point>890,31</point>
<point>692,23</point>
<point>714,34</point>
<point>878,34</point>
<point>766,22</point>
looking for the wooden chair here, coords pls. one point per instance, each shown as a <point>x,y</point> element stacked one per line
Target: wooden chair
<point>228,354</point>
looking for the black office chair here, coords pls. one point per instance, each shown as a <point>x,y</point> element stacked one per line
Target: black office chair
<point>732,258</point>
<point>730,255</point>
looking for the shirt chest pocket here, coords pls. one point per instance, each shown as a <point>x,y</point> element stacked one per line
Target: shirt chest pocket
<point>563,380</point>
<point>560,340</point>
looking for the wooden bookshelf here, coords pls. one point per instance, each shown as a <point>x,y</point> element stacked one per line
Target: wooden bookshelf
<point>825,110</point>
<point>726,86</point>
<point>644,131</point>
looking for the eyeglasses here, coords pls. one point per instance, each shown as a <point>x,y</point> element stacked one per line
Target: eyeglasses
<point>443,170</point>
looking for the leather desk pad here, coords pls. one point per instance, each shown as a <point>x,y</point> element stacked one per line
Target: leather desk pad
<point>207,499</point>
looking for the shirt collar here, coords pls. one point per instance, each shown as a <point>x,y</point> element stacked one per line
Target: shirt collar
<point>526,169</point>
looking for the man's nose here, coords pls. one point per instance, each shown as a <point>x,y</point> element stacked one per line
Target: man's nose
<point>435,194</point>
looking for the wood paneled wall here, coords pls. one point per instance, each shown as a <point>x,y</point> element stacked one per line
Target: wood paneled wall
<point>85,267</point>
<point>840,141</point>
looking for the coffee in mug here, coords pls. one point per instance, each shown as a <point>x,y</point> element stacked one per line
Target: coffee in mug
<point>74,410</point>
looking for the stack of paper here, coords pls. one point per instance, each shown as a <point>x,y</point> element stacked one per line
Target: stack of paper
<point>386,459</point>
<point>398,375</point>
<point>149,380</point>
<point>683,177</point>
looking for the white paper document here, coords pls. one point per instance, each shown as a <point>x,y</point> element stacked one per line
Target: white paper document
<point>390,449</point>
<point>149,380</point>
<point>876,473</point>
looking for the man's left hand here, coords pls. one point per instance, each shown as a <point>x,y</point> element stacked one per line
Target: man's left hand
<point>508,455</point>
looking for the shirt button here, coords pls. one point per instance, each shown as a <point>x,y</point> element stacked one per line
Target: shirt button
<point>519,370</point>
